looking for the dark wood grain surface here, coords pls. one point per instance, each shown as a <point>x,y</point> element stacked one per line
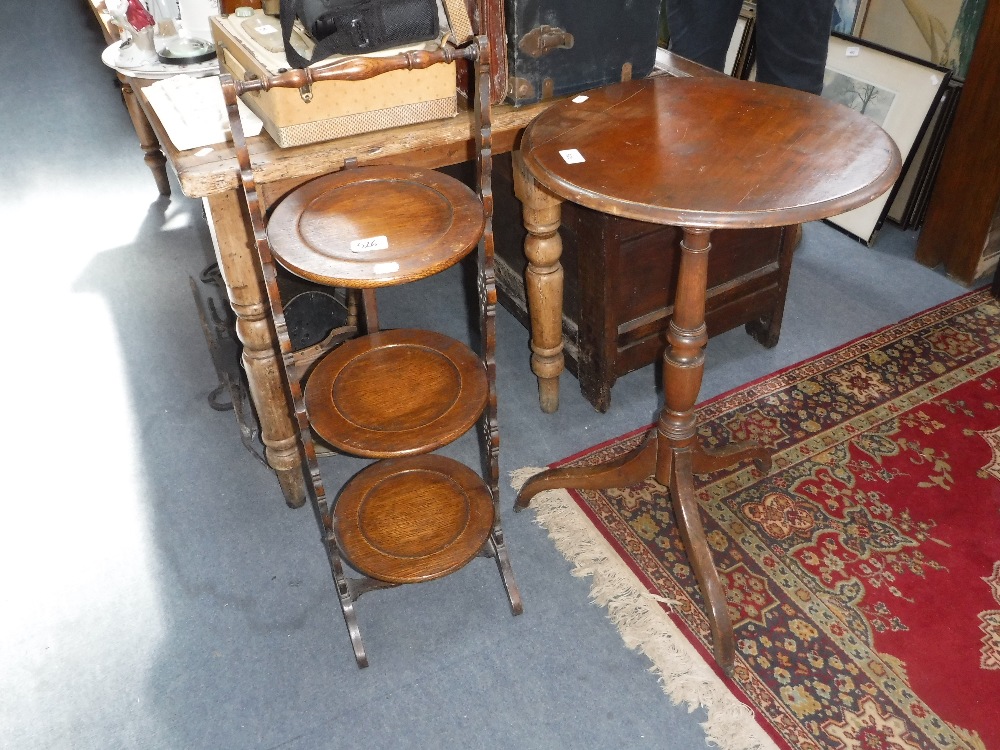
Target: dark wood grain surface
<point>711,152</point>
<point>395,393</point>
<point>429,220</point>
<point>407,520</point>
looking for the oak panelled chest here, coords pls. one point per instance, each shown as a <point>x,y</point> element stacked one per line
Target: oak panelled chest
<point>619,284</point>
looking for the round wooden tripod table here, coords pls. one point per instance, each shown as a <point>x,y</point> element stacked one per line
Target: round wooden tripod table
<point>700,154</point>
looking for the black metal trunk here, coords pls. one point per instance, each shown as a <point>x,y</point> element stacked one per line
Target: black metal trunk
<point>558,47</point>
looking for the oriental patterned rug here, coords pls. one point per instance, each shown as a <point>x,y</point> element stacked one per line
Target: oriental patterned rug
<point>862,573</point>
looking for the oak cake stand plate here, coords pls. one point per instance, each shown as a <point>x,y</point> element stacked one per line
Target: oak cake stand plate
<point>375,226</point>
<point>413,519</point>
<point>395,393</point>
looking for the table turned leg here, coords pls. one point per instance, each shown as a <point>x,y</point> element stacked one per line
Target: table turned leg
<point>235,253</point>
<point>154,157</point>
<point>683,367</point>
<point>671,453</point>
<point>543,282</point>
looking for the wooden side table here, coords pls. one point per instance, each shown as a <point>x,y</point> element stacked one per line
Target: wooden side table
<point>699,154</point>
<point>150,144</point>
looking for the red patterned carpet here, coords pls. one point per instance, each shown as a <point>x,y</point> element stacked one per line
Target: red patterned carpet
<point>863,573</point>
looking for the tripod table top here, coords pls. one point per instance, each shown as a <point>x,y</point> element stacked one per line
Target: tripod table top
<point>709,152</point>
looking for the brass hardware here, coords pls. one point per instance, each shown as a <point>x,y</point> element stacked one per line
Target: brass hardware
<point>544,39</point>
<point>521,89</point>
<point>626,72</point>
<point>306,92</point>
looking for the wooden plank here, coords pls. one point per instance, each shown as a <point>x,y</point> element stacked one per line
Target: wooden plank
<point>212,170</point>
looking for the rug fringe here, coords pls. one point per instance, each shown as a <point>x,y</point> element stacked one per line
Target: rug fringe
<point>642,623</point>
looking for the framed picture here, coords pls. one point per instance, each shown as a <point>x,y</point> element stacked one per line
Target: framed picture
<point>914,189</point>
<point>898,92</point>
<point>942,32</point>
<point>663,34</point>
<point>848,15</point>
<point>739,57</point>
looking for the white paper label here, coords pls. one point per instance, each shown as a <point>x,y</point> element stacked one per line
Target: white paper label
<point>204,151</point>
<point>572,156</point>
<point>580,99</point>
<point>852,51</point>
<point>381,242</point>
<point>386,267</point>
<point>266,28</point>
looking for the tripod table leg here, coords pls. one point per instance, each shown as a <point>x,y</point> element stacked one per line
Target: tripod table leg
<point>683,366</point>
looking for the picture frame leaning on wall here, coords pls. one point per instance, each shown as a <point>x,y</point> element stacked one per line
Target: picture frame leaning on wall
<point>740,56</point>
<point>898,91</point>
<point>942,32</point>
<point>849,16</point>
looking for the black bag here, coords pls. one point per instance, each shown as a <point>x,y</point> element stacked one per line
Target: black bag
<point>346,27</point>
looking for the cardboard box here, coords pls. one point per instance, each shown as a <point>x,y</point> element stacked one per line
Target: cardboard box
<point>337,108</point>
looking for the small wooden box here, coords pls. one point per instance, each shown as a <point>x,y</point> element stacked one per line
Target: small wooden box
<point>619,281</point>
<point>338,108</point>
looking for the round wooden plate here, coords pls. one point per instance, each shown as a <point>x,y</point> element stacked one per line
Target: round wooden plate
<point>413,519</point>
<point>375,226</point>
<point>396,393</point>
